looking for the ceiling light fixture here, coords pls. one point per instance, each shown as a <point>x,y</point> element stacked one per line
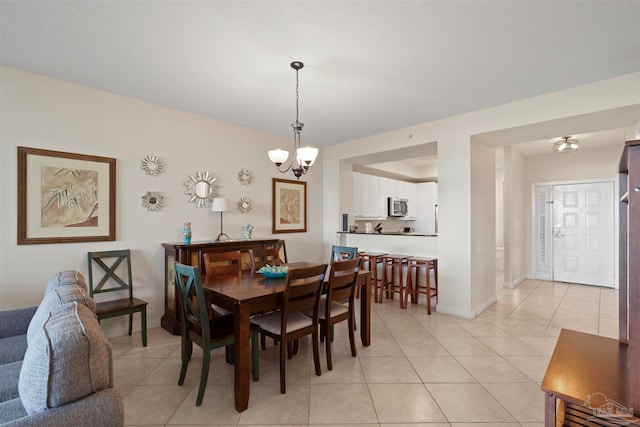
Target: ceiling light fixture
<point>566,145</point>
<point>304,156</point>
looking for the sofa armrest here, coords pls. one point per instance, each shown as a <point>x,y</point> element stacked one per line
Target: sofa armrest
<point>101,409</point>
<point>16,321</point>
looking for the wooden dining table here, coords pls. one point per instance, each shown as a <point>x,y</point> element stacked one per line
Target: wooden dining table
<point>251,293</point>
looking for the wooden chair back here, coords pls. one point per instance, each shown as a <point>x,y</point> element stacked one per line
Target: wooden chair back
<point>342,253</point>
<point>342,281</point>
<point>222,262</point>
<point>261,257</point>
<point>195,313</point>
<point>303,287</point>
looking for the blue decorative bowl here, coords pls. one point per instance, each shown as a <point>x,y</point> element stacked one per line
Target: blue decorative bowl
<point>274,272</point>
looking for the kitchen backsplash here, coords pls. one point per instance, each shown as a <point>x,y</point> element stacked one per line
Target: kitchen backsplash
<point>387,224</point>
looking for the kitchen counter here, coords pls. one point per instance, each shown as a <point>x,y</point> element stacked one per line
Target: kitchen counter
<point>389,233</point>
<point>391,242</point>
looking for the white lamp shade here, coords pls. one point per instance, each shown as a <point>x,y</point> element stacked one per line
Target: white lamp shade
<point>278,156</point>
<point>220,204</point>
<point>306,154</point>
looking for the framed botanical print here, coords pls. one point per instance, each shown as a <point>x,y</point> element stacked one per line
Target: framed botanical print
<point>289,206</point>
<point>65,197</point>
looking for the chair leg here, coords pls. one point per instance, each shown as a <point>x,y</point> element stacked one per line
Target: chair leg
<point>263,341</point>
<point>130,323</point>
<point>143,315</point>
<point>283,386</point>
<point>230,354</point>
<point>328,339</point>
<point>186,356</point>
<point>316,351</point>
<point>352,338</point>
<point>206,359</point>
<point>255,356</point>
<point>296,346</point>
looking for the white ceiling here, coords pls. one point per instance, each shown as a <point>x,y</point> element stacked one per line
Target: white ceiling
<point>370,66</point>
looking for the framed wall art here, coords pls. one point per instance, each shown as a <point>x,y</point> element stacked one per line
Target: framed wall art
<point>289,206</point>
<point>65,197</point>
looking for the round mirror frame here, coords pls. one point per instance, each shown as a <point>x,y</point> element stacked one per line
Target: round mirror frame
<point>201,189</point>
<point>153,201</point>
<point>245,204</point>
<point>151,165</point>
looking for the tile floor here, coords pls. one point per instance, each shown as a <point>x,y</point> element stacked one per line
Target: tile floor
<point>420,370</point>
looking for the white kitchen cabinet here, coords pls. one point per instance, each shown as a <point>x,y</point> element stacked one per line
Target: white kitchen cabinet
<point>355,191</point>
<point>427,194</point>
<point>411,194</point>
<point>367,203</point>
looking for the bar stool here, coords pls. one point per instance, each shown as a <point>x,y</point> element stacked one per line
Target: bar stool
<point>418,263</point>
<point>371,259</point>
<point>389,285</point>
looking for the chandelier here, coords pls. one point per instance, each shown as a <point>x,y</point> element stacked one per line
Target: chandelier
<point>304,156</point>
<point>566,145</point>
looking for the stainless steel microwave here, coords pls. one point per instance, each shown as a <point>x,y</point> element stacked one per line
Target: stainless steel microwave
<point>397,206</point>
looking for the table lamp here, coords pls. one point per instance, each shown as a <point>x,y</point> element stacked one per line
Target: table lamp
<point>220,204</point>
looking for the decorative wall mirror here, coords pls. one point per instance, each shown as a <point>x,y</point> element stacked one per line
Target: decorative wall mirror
<point>245,204</point>
<point>200,189</point>
<point>245,176</point>
<point>153,201</point>
<point>151,165</point>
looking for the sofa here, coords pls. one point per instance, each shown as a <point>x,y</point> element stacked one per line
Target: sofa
<point>56,366</point>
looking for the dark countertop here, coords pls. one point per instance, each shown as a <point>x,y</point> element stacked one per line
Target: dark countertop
<point>390,233</point>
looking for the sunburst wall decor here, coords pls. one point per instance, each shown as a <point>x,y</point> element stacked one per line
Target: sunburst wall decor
<point>152,165</point>
<point>245,204</point>
<point>153,201</point>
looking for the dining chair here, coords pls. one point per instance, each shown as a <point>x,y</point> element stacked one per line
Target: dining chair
<point>222,263</point>
<point>302,290</point>
<point>261,257</point>
<point>282,250</point>
<point>198,327</point>
<point>341,253</point>
<point>340,287</point>
<point>116,277</point>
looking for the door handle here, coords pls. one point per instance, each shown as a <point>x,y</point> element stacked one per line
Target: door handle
<point>557,234</point>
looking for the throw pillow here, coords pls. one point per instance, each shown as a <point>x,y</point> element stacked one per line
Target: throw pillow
<point>68,277</point>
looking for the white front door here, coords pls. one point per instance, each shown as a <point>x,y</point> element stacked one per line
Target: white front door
<point>583,233</point>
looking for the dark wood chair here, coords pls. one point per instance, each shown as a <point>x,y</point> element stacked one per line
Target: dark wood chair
<point>340,287</point>
<point>282,250</point>
<point>303,287</point>
<point>116,277</point>
<point>341,253</point>
<point>222,263</point>
<point>198,327</point>
<point>262,257</point>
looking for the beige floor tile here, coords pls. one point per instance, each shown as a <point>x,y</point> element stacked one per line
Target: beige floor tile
<point>484,329</point>
<point>416,425</point>
<point>217,407</point>
<point>153,405</point>
<point>297,370</point>
<point>407,329</point>
<point>446,330</point>
<point>404,403</point>
<point>469,402</point>
<point>421,346</point>
<point>504,345</point>
<point>524,401</point>
<point>268,406</point>
<point>133,371</point>
<point>345,370</point>
<point>532,366</point>
<point>381,347</point>
<point>465,346</point>
<point>388,370</point>
<point>349,403</point>
<point>485,425</point>
<point>491,369</point>
<point>440,370</point>
<point>544,345</point>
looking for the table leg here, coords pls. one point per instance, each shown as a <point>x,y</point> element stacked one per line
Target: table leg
<point>242,364</point>
<point>550,410</point>
<point>365,312</point>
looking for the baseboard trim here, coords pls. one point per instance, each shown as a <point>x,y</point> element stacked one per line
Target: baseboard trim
<point>455,311</point>
<point>484,305</point>
<point>514,283</point>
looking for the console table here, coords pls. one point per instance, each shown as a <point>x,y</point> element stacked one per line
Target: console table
<point>191,254</point>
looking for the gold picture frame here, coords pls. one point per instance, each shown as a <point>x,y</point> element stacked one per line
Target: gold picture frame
<point>289,206</point>
<point>65,197</point>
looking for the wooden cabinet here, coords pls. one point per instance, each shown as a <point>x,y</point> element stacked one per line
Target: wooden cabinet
<point>583,365</point>
<point>191,254</point>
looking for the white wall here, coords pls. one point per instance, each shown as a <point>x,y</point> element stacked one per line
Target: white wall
<point>514,217</point>
<point>483,227</point>
<point>599,163</point>
<point>45,113</point>
<point>453,136</point>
